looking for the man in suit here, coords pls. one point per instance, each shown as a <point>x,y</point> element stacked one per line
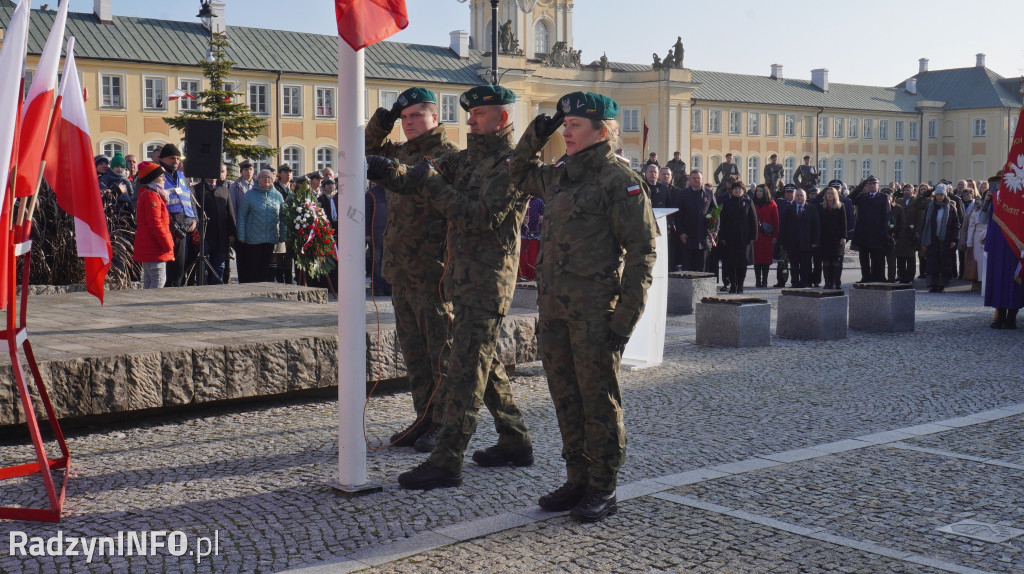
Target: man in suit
<point>691,222</point>
<point>800,228</point>
<point>872,228</point>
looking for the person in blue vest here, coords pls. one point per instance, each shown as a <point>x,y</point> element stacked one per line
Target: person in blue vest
<point>183,216</point>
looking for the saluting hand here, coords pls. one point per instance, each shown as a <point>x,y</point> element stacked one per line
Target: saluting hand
<point>546,125</point>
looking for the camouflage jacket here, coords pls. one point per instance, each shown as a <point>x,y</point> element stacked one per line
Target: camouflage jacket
<point>598,235</point>
<point>414,239</point>
<point>471,188</point>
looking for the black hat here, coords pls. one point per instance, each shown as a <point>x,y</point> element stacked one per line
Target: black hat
<point>314,175</point>
<point>812,190</point>
<point>245,164</point>
<point>789,187</point>
<point>871,179</point>
<point>887,190</point>
<point>836,184</point>
<point>997,178</point>
<point>169,150</point>
<point>102,158</point>
<point>486,96</point>
<point>284,167</point>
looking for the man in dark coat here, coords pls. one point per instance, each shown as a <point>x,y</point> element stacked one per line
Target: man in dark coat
<point>800,229</point>
<point>664,194</point>
<point>220,226</point>
<point>872,229</point>
<point>691,222</point>
<point>781,255</point>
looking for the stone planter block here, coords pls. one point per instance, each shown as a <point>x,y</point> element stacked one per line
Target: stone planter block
<point>882,307</point>
<point>733,322</point>
<point>812,314</point>
<point>686,289</point>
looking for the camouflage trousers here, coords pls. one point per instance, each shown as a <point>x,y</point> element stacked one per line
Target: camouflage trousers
<point>421,323</point>
<point>583,381</point>
<point>476,377</point>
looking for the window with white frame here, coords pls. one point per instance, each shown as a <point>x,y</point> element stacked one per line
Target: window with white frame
<point>772,126</point>
<point>837,169</point>
<point>933,129</point>
<point>449,109</point>
<point>111,90</point>
<point>292,155</point>
<point>808,127</point>
<point>714,122</point>
<point>854,130</point>
<point>869,129</point>
<point>324,102</point>
<point>325,158</point>
<point>979,127</point>
<point>154,92</point>
<point>259,99</point>
<point>386,98</point>
<point>866,168</point>
<point>291,100</point>
<point>913,131</point>
<point>229,87</point>
<point>630,119</point>
<point>696,120</point>
<point>898,130</point>
<point>735,119</point>
<point>113,147</point>
<point>190,87</point>
<point>823,122</point>
<point>883,129</point>
<point>696,162</point>
<point>753,169</point>
<point>790,126</point>
<point>788,167</point>
<point>838,126</point>
<point>897,167</point>
<point>152,147</point>
<point>541,38</point>
<point>822,167</point>
<point>753,123</point>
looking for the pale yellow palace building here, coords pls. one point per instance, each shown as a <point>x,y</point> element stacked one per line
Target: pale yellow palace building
<point>937,124</point>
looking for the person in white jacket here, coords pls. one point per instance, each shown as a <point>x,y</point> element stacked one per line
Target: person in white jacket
<point>977,225</point>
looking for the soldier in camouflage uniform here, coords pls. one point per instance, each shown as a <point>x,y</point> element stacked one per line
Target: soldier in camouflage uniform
<point>471,188</point>
<point>595,265</point>
<point>414,244</point>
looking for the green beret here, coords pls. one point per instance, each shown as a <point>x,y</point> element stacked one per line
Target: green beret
<point>589,105</point>
<point>414,96</point>
<point>486,96</point>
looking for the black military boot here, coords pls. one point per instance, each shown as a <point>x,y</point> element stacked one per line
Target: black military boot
<point>427,440</point>
<point>427,476</point>
<point>595,505</point>
<point>1011,319</point>
<point>564,498</point>
<point>501,456</point>
<point>412,432</point>
<point>998,319</point>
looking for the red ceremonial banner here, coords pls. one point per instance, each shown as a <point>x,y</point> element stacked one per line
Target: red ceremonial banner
<point>362,23</point>
<point>1008,207</point>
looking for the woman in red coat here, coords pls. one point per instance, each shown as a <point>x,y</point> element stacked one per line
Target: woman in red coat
<point>154,246</point>
<point>768,221</point>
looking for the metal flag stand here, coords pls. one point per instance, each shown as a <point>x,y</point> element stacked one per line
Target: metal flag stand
<point>16,336</point>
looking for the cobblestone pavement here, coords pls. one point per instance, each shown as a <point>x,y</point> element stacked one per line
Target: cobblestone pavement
<point>777,459</point>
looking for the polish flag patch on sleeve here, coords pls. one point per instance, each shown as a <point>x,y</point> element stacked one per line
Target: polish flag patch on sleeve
<point>508,160</point>
<point>634,190</point>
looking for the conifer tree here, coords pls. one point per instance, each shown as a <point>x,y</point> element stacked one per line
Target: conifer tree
<point>241,126</point>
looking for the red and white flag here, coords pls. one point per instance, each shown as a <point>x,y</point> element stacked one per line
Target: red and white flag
<point>38,105</point>
<point>178,93</point>
<point>12,71</point>
<point>71,172</point>
<point>1008,207</point>
<point>362,23</point>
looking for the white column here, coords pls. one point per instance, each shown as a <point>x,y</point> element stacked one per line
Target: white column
<point>351,269</point>
<point>568,24</point>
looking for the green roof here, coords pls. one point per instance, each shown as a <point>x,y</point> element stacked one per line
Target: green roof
<point>130,39</point>
<point>969,88</point>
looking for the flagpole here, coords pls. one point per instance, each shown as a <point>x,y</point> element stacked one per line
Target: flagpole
<point>351,274</point>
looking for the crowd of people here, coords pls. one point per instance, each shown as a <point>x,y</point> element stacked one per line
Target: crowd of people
<point>243,219</point>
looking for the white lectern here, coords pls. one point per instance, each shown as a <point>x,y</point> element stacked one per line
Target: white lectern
<point>646,348</point>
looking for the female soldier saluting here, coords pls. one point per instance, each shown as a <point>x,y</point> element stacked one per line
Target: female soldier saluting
<point>597,214</point>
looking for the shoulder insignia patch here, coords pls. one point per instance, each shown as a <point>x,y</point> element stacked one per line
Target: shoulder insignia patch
<point>508,160</point>
<point>634,190</point>
<point>559,164</point>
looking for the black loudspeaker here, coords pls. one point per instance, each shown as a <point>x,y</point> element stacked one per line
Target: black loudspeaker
<point>204,148</point>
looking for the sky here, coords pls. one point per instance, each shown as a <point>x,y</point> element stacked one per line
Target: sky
<point>874,42</point>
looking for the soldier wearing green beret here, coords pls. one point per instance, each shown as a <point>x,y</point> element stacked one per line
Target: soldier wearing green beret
<point>414,244</point>
<point>595,266</point>
<point>484,211</point>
